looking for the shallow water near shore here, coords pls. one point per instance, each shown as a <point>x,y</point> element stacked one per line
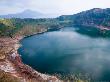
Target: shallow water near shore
<point>67,52</point>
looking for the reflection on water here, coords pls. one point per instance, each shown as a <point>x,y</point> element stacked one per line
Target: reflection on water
<point>68,52</point>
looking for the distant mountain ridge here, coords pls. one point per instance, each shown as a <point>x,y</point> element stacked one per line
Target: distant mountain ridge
<point>26,14</point>
<point>94,17</point>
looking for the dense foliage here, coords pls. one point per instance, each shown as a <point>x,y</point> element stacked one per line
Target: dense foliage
<point>94,22</point>
<point>91,17</point>
<point>16,26</point>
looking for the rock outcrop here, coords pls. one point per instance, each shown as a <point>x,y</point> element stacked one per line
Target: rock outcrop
<point>10,62</point>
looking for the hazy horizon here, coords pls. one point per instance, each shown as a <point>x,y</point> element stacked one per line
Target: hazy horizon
<point>56,7</point>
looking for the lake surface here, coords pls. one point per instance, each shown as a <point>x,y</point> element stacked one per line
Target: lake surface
<point>68,52</point>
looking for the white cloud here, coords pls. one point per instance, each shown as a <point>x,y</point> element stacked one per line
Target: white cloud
<point>52,6</point>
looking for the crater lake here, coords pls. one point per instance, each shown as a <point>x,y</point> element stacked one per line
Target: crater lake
<point>67,52</point>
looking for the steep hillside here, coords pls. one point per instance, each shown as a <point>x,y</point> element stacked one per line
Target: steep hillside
<point>95,17</point>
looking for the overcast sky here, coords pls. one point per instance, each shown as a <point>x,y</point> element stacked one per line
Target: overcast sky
<point>51,6</point>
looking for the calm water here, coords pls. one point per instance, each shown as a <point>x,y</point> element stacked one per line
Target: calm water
<point>68,52</point>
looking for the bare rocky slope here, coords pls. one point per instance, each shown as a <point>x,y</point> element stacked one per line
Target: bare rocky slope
<point>11,63</point>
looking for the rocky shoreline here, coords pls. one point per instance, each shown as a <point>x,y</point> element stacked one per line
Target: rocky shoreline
<point>11,62</point>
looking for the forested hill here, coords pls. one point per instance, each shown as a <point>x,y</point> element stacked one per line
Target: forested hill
<point>94,17</point>
<point>99,18</point>
<point>23,27</point>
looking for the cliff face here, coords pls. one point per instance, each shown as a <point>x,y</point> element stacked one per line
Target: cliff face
<point>10,62</point>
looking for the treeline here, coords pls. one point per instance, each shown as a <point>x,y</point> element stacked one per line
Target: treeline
<point>16,26</point>
<point>93,17</point>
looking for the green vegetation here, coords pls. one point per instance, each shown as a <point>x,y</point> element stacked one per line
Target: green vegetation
<point>94,22</point>
<point>15,26</point>
<point>91,18</point>
<point>92,31</point>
